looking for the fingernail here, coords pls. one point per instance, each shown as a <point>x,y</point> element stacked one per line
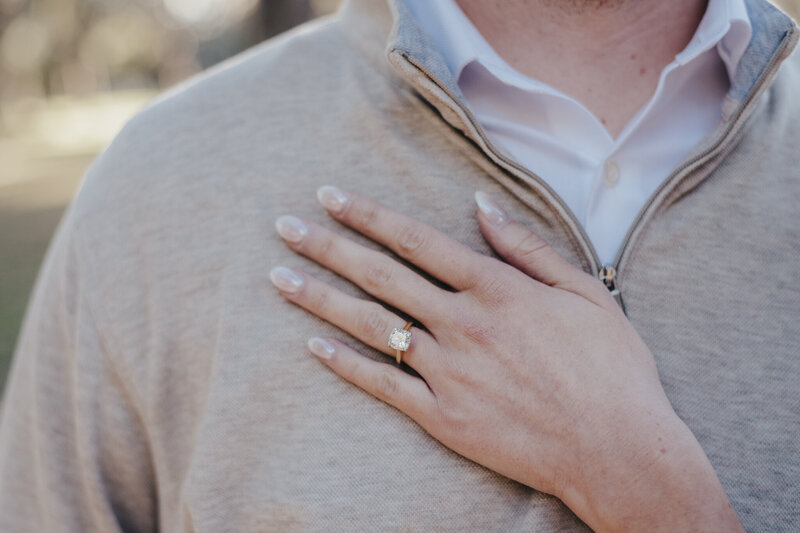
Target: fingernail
<point>285,279</point>
<point>321,348</point>
<point>492,211</point>
<point>331,198</point>
<point>291,228</point>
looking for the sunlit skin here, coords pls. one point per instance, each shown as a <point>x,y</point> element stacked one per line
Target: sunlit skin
<point>607,54</point>
<point>527,367</point>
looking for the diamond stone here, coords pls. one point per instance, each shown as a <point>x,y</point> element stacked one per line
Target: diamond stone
<point>400,339</point>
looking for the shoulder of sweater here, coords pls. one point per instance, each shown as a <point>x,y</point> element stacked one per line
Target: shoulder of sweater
<point>200,133</point>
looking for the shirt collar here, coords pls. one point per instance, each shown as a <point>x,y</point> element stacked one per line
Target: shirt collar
<point>725,25</point>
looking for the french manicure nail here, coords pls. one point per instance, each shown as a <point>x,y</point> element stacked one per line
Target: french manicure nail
<point>331,198</point>
<point>285,279</point>
<point>321,348</point>
<point>492,211</point>
<point>291,228</point>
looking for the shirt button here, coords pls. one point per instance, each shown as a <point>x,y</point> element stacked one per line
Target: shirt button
<point>610,174</point>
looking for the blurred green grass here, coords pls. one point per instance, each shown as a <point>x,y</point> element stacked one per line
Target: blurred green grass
<point>29,213</point>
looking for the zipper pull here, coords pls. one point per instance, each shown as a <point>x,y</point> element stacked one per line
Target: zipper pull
<point>608,275</point>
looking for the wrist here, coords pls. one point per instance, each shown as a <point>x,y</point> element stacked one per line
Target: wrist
<point>663,481</point>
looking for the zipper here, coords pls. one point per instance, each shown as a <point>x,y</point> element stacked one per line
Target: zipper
<point>607,273</point>
<point>594,260</point>
<point>711,151</point>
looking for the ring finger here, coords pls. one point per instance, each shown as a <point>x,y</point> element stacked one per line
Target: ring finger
<point>368,322</point>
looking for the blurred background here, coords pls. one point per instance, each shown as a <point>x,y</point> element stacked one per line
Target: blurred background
<point>72,72</point>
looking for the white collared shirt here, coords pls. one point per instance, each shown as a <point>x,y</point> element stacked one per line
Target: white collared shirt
<point>604,181</point>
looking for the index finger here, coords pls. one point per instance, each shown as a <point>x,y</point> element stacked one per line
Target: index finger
<point>441,256</point>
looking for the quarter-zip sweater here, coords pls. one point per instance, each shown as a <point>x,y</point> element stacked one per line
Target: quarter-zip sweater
<point>161,383</point>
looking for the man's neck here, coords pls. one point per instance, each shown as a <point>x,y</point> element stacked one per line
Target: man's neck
<point>607,54</point>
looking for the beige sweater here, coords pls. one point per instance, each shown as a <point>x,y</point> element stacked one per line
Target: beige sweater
<point>161,383</point>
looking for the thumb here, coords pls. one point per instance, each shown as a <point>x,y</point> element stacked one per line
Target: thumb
<point>530,253</point>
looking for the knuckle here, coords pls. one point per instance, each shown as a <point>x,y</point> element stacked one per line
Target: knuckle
<point>325,248</point>
<point>479,333</point>
<point>386,384</point>
<point>494,291</point>
<point>371,323</point>
<point>378,275</point>
<point>530,245</point>
<point>320,301</point>
<point>452,419</point>
<point>353,370</point>
<point>365,215</point>
<point>412,238</point>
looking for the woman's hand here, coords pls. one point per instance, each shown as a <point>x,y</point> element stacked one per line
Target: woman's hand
<point>531,370</point>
